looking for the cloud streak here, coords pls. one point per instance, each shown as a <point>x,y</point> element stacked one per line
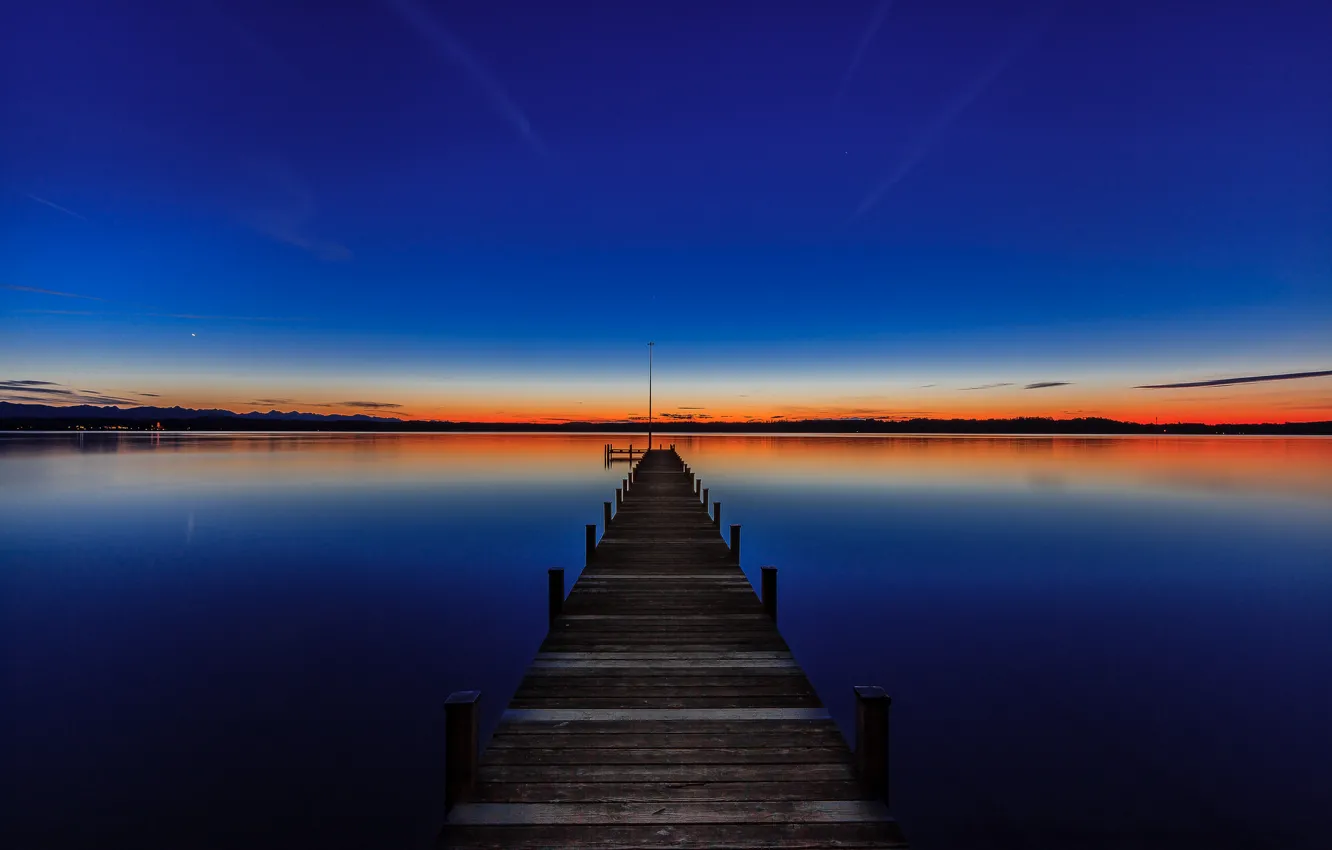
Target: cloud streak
<point>988,386</point>
<point>1225,382</point>
<point>50,392</point>
<point>371,405</point>
<point>53,205</point>
<point>1040,385</point>
<point>217,318</point>
<point>456,52</point>
<point>40,291</point>
<point>950,113</point>
<point>880,13</point>
<point>325,249</point>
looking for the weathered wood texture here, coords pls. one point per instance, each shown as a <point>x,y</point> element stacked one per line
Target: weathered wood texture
<point>664,709</point>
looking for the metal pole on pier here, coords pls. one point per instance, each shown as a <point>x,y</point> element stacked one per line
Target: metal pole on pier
<point>650,345</point>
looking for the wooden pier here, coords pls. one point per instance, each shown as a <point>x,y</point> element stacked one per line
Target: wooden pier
<point>664,709</point>
<point>613,455</point>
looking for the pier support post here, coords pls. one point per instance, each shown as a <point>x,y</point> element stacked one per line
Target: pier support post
<point>698,483</point>
<point>606,515</point>
<point>768,592</point>
<point>735,543</point>
<point>872,739</point>
<point>705,498</point>
<point>591,540</point>
<point>619,500</point>
<point>555,590</point>
<point>460,746</point>
<point>624,482</point>
<point>716,515</point>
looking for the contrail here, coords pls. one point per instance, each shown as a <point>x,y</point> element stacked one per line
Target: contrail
<point>56,206</point>
<point>880,12</point>
<point>457,53</point>
<point>950,113</point>
<point>40,291</point>
<point>1251,379</point>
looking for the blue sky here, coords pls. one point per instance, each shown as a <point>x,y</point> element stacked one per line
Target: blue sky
<point>833,201</point>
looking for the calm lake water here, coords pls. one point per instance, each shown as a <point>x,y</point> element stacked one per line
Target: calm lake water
<point>245,640</point>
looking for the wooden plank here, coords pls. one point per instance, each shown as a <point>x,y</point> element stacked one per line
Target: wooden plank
<point>674,773</point>
<point>677,715</point>
<point>656,657</point>
<point>669,661</point>
<point>664,755</point>
<point>784,836</point>
<point>631,792</point>
<point>813,736</point>
<point>665,703</point>
<point>775,811</point>
<point>733,728</point>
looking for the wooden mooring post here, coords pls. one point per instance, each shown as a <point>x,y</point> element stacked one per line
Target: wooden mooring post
<point>460,746</point>
<point>591,541</point>
<point>768,591</point>
<point>555,591</point>
<point>871,751</point>
<point>735,543</point>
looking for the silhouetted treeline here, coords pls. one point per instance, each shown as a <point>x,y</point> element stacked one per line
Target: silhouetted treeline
<point>1024,425</point>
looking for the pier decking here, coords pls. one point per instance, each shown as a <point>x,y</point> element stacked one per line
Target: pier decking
<point>665,710</point>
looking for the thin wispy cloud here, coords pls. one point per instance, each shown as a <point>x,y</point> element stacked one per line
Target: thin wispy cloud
<point>458,53</point>
<point>287,233</point>
<point>39,291</point>
<point>1041,385</point>
<point>52,393</point>
<point>53,205</point>
<point>370,405</point>
<point>149,395</point>
<point>950,113</point>
<point>988,386</point>
<point>1249,379</point>
<point>64,312</point>
<point>202,317</point>
<point>183,316</point>
<point>858,56</point>
<point>252,42</point>
<point>283,209</point>
<point>30,387</point>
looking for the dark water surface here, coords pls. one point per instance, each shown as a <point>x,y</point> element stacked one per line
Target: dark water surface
<point>245,640</point>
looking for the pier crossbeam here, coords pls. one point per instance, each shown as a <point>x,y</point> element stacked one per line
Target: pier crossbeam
<point>664,709</point>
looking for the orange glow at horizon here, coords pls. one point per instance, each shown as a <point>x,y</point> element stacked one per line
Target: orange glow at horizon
<point>738,399</point>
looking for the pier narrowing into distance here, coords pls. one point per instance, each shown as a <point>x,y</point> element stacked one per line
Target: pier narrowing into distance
<point>664,709</point>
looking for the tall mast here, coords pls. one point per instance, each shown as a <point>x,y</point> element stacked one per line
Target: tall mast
<point>650,345</point>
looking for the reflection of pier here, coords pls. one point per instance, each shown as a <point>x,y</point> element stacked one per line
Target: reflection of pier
<point>664,709</point>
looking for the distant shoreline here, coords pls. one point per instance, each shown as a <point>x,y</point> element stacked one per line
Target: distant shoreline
<point>815,427</point>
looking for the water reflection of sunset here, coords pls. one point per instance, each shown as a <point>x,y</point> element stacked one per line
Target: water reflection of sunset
<point>1296,466</point>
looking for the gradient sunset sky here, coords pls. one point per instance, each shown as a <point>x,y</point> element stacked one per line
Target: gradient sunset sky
<point>484,209</point>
